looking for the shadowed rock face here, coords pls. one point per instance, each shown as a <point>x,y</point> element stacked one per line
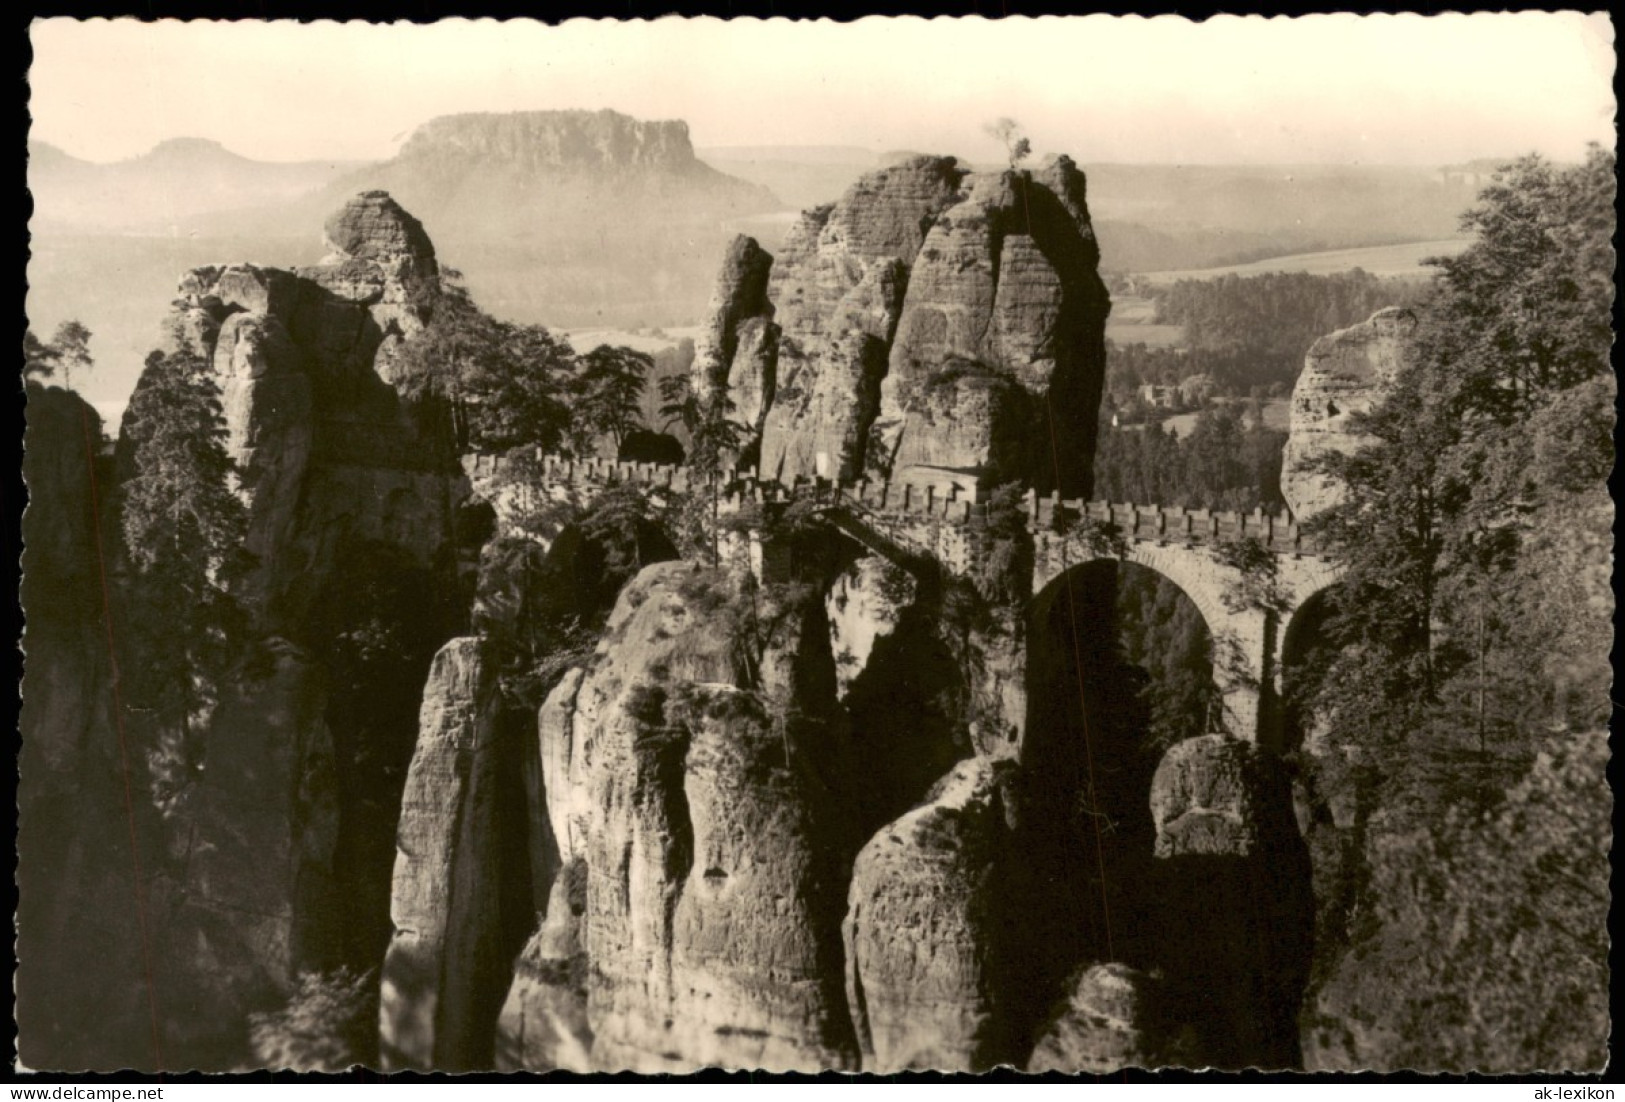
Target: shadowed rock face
<point>1346,373</point>
<point>327,454</point>
<point>251,873</point>
<point>930,324</point>
<point>1231,863</point>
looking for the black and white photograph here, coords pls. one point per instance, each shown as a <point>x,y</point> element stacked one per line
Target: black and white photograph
<point>1074,544</point>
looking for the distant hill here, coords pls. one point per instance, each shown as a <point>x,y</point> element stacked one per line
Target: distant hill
<point>162,189</point>
<point>566,218</point>
<point>560,217</point>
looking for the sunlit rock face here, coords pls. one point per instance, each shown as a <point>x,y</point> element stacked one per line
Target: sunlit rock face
<point>447,966</point>
<point>1108,1021</point>
<point>1345,374</point>
<point>934,325</point>
<point>924,929</point>
<point>692,799</point>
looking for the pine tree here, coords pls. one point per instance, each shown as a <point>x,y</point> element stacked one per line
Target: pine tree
<point>183,528</point>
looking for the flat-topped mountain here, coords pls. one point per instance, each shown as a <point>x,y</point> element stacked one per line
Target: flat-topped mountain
<point>559,217</point>
<point>583,141</point>
<point>547,173</point>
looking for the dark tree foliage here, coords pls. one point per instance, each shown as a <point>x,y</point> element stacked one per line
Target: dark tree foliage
<point>543,607</point>
<point>329,1024</point>
<point>1465,688</point>
<point>1229,461</point>
<point>1163,632</point>
<point>68,348</point>
<point>183,528</point>
<point>507,384</point>
<point>713,435</point>
<point>606,395</point>
<point>1262,326</point>
<point>1497,420</point>
<point>619,522</point>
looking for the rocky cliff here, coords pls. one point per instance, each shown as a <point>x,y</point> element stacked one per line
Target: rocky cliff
<point>927,324</point>
<point>781,815</point>
<point>1346,373</point>
<point>263,823</point>
<point>329,457</point>
<point>710,837</point>
<point>72,833</point>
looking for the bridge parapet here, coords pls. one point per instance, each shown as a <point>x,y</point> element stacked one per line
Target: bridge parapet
<point>1172,523</point>
<point>948,502</point>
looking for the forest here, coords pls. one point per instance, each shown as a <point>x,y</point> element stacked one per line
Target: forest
<point>1455,716</point>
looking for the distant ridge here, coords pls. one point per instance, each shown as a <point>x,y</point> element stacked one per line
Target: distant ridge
<point>176,181</point>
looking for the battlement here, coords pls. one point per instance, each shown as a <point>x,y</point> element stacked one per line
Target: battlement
<point>948,503</point>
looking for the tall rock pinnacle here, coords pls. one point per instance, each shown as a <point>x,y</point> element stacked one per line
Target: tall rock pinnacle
<point>935,325</point>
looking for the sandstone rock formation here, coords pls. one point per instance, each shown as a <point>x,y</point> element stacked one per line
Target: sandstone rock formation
<point>1109,1021</point>
<point>543,1025</point>
<point>65,641</point>
<point>1345,373</point>
<point>1232,863</point>
<point>1204,798</point>
<point>738,352</point>
<point>680,770</point>
<point>248,817</point>
<point>838,287</point>
<point>924,931</point>
<point>585,142</point>
<point>327,455</point>
<point>71,821</point>
<point>447,963</point>
<point>928,321</point>
<point>865,604</point>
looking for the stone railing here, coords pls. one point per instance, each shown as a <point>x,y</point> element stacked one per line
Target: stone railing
<point>948,503</point>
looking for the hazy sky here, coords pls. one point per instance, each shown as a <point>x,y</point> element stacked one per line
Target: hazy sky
<point>1342,89</point>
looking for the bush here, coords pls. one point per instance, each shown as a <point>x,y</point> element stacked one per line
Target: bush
<point>330,1024</point>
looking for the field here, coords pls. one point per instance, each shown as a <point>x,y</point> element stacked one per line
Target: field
<point>1277,413</point>
<point>1131,322</point>
<point>1379,260</point>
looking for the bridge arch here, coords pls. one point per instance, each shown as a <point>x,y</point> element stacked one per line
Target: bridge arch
<point>1302,642</point>
<point>1242,634</point>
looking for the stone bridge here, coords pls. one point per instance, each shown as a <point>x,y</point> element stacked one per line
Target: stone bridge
<point>1251,575</point>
